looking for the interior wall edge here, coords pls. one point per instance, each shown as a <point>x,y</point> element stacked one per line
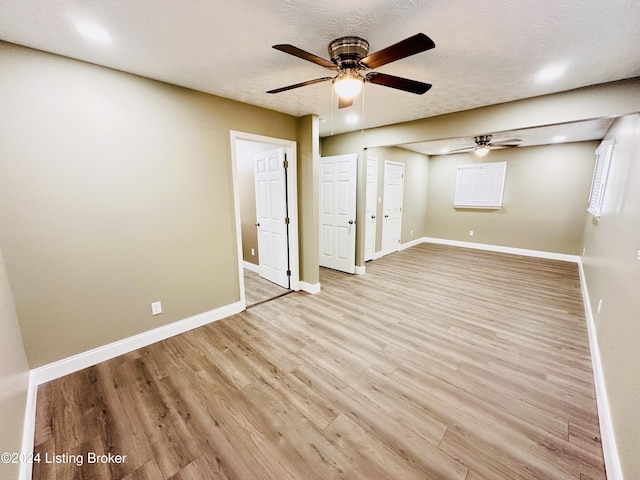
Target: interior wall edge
<point>311,288</point>
<point>609,446</point>
<point>29,428</point>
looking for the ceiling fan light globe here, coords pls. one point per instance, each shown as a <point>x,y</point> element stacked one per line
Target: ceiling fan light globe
<point>482,150</point>
<point>348,87</point>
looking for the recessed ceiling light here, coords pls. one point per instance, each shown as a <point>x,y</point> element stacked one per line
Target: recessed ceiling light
<point>93,32</point>
<point>559,138</point>
<point>444,150</point>
<point>551,73</point>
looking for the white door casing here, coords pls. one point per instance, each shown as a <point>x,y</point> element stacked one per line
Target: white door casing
<point>271,216</point>
<point>338,212</point>
<point>370,209</point>
<point>392,206</point>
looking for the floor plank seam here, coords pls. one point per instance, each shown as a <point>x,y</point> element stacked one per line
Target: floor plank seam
<point>262,302</point>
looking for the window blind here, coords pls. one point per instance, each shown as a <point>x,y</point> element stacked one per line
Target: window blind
<point>600,176</point>
<point>480,185</point>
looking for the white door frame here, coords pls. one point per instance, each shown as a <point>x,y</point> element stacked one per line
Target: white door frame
<point>292,193</point>
<point>371,194</point>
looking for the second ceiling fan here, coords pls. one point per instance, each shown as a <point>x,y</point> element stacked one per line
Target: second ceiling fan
<point>350,58</point>
<point>483,144</point>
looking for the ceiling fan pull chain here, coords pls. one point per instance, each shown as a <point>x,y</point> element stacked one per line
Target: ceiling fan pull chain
<point>332,109</point>
<point>362,115</point>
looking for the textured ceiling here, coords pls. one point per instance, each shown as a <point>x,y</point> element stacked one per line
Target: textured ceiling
<point>486,52</point>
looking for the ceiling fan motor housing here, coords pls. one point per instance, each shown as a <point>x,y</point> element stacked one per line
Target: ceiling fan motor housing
<point>346,52</point>
<point>482,140</point>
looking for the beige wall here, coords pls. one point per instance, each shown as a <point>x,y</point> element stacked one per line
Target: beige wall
<point>14,377</point>
<point>545,198</point>
<point>115,191</point>
<point>416,177</point>
<point>612,274</point>
<point>308,185</point>
<point>250,252</point>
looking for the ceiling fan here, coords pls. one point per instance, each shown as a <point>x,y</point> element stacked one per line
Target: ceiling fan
<point>484,144</point>
<point>350,58</point>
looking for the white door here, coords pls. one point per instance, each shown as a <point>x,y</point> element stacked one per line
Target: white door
<point>370,209</point>
<point>271,213</point>
<point>338,212</point>
<point>392,206</point>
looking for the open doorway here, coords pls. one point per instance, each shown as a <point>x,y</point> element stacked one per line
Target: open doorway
<point>266,216</point>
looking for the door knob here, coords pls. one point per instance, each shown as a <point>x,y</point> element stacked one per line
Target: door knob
<point>373,217</point>
<point>351,222</point>
<point>258,224</point>
<point>386,216</point>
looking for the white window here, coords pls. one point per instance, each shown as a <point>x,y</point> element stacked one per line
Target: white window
<point>480,185</point>
<point>600,175</point>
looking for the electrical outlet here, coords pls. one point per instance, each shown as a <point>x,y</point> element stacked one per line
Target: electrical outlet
<point>638,254</point>
<point>471,233</point>
<point>411,232</point>
<point>584,252</point>
<point>253,252</point>
<point>599,306</point>
<point>156,308</point>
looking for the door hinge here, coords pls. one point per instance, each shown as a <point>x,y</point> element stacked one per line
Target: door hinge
<point>286,221</point>
<point>288,273</point>
<point>285,163</point>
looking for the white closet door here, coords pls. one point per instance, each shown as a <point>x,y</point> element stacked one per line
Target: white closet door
<point>338,212</point>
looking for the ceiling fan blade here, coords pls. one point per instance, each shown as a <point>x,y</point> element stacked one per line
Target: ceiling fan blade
<point>297,52</point>
<point>465,149</point>
<point>344,102</point>
<point>503,143</point>
<point>400,83</point>
<point>405,48</point>
<point>302,84</point>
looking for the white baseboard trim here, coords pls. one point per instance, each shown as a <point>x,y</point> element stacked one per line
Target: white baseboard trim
<point>412,243</point>
<point>86,359</point>
<point>311,288</point>
<point>360,270</point>
<point>377,255</point>
<point>29,429</point>
<point>63,367</point>
<point>609,446</point>
<point>252,267</point>
<point>512,250</point>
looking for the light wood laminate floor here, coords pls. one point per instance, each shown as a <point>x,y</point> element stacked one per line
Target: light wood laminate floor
<point>258,290</point>
<point>438,363</point>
